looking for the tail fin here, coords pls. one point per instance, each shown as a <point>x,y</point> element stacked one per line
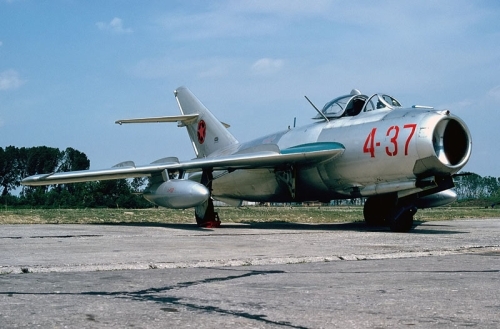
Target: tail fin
<point>206,132</point>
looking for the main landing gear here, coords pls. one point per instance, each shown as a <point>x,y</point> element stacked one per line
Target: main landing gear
<point>205,214</point>
<point>388,210</point>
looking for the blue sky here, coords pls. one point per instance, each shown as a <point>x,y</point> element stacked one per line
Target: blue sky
<point>69,69</point>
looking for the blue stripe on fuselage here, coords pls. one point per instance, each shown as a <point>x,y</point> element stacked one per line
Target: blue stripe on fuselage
<point>313,147</point>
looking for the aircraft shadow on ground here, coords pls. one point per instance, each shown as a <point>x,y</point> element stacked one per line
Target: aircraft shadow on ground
<point>420,227</point>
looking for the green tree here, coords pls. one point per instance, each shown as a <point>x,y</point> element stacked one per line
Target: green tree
<point>73,160</point>
<point>39,160</point>
<point>17,163</point>
<point>9,169</point>
<point>112,194</point>
<point>71,195</point>
<point>473,186</point>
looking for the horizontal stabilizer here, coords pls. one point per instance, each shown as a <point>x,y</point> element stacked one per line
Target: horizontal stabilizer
<point>182,119</point>
<point>185,119</point>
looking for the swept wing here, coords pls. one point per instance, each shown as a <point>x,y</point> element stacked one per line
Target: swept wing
<point>298,155</point>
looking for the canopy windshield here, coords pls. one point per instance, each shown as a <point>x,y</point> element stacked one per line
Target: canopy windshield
<point>381,101</point>
<point>352,105</point>
<point>348,105</point>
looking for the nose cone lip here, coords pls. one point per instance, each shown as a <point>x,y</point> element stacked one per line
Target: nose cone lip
<point>452,142</point>
<point>444,145</point>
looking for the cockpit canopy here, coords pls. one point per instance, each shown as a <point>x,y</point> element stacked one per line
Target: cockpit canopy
<point>356,103</point>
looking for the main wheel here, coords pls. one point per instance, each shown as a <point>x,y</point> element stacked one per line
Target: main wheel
<point>205,214</point>
<point>401,219</point>
<point>377,209</point>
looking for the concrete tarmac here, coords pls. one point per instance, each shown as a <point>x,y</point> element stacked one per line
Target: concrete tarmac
<point>442,274</point>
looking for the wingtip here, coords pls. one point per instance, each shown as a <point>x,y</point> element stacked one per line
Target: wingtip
<point>33,180</point>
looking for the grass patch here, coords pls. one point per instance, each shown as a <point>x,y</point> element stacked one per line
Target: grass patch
<point>227,214</point>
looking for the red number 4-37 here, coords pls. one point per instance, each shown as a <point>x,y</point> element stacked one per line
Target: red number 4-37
<point>393,134</point>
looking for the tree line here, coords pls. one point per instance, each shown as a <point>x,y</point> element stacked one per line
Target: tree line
<point>471,186</point>
<point>18,163</point>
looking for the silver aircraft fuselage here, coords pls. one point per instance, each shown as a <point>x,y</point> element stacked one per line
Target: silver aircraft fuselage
<point>385,151</point>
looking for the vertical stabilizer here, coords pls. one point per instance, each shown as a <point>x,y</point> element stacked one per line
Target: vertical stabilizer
<point>207,133</point>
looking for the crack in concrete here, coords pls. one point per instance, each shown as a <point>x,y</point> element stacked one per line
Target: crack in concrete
<point>473,249</point>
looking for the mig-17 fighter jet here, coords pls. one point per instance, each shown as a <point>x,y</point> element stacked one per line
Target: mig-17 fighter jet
<point>399,158</point>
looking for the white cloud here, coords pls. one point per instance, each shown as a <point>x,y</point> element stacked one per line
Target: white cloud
<point>168,67</point>
<point>115,26</point>
<point>216,24</point>
<point>281,7</point>
<point>266,66</point>
<point>10,79</point>
<point>495,93</point>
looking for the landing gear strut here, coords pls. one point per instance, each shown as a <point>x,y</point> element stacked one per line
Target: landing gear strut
<point>205,214</point>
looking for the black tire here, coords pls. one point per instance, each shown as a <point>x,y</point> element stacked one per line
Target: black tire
<point>377,209</point>
<point>205,215</point>
<point>401,219</point>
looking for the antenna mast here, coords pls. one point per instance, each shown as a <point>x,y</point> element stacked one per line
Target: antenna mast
<point>317,110</point>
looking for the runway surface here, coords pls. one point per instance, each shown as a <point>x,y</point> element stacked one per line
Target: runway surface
<point>442,274</point>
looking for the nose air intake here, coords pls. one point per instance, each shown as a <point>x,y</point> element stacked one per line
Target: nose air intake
<point>451,142</point>
<point>446,149</point>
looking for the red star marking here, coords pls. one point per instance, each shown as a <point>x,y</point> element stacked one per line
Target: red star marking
<point>202,131</point>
